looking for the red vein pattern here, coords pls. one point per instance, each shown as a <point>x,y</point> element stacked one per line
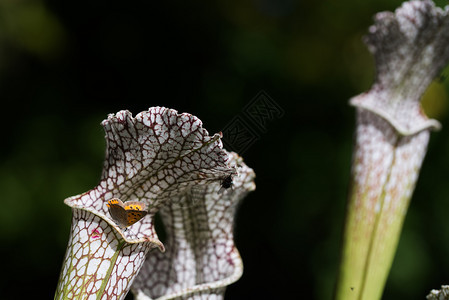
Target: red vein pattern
<point>90,256</point>
<point>201,258</point>
<point>158,157</point>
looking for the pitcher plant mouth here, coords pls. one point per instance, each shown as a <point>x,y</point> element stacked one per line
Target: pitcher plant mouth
<point>166,163</point>
<point>392,134</point>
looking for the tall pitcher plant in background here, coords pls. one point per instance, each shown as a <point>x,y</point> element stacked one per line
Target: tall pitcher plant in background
<point>410,47</point>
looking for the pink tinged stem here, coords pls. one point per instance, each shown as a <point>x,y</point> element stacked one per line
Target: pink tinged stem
<point>385,170</point>
<point>410,47</point>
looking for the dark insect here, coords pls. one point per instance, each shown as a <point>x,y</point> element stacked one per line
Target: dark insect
<point>226,183</point>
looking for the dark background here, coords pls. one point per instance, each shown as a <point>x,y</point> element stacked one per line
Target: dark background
<point>64,65</point>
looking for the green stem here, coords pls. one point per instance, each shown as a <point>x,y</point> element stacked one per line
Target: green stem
<point>111,268</point>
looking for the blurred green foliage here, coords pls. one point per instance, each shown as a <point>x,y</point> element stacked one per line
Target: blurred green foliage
<point>64,65</point>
